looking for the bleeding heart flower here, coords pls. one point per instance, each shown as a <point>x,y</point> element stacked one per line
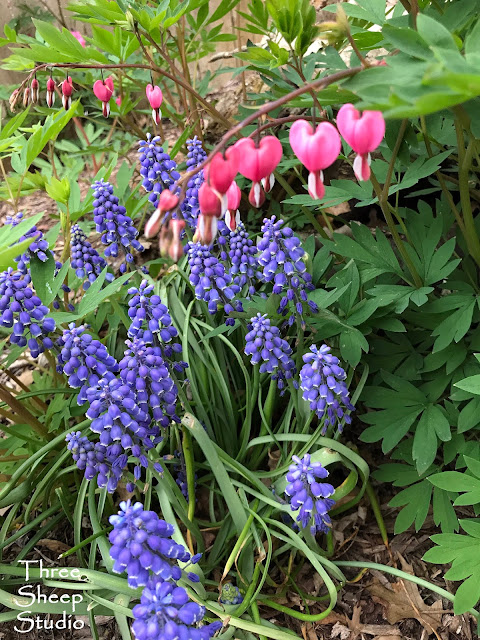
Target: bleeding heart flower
<point>175,250</point>
<point>26,97</point>
<point>67,90</point>
<point>316,150</point>
<point>118,101</point>
<point>79,37</point>
<point>206,229</point>
<point>50,98</point>
<point>34,89</point>
<point>363,133</point>
<point>209,202</point>
<point>232,215</point>
<point>257,162</point>
<point>103,90</point>
<point>166,202</point>
<point>155,98</point>
<point>222,169</point>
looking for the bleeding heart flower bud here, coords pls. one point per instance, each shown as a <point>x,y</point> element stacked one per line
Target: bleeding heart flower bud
<point>175,250</point>
<point>26,97</point>
<point>34,89</point>
<point>206,229</point>
<point>50,97</point>
<point>118,100</point>
<point>166,202</point>
<point>79,37</point>
<point>209,202</point>
<point>363,133</point>
<point>256,197</point>
<point>317,150</point>
<point>222,169</point>
<point>103,90</point>
<point>257,162</point>
<point>14,99</point>
<point>67,90</point>
<point>155,98</point>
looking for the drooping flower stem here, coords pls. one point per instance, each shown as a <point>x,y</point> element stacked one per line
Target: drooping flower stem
<point>190,472</point>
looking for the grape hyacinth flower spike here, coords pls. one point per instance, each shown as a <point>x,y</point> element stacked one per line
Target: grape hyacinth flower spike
<point>316,150</point>
<point>155,98</point>
<point>282,263</point>
<point>23,311</point>
<point>165,612</point>
<point>157,169</point>
<point>103,90</point>
<point>142,544</point>
<point>322,381</point>
<point>258,162</point>
<point>308,495</point>
<point>267,348</point>
<point>363,133</point>
<point>117,229</point>
<point>38,247</point>
<point>86,260</point>
<point>67,90</point>
<point>239,252</point>
<point>50,95</point>
<point>190,207</point>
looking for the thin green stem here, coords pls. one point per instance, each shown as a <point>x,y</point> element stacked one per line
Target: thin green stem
<point>372,496</point>
<point>465,162</point>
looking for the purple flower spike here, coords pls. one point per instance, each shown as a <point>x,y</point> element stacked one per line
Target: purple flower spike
<point>266,347</point>
<point>212,282</point>
<point>281,262</point>
<point>39,246</point>
<point>165,612</point>
<point>158,170</point>
<point>195,156</point>
<point>86,260</point>
<point>117,229</point>
<point>322,382</point>
<point>308,495</point>
<point>142,543</point>
<point>239,252</point>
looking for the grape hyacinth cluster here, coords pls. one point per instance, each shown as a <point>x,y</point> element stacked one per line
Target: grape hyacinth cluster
<point>190,207</point>
<point>322,382</point>
<point>265,345</point>
<point>90,457</point>
<point>158,170</point>
<point>166,612</point>
<point>38,247</point>
<point>212,282</point>
<point>152,323</point>
<point>230,594</point>
<point>86,260</point>
<point>117,229</point>
<point>83,360</point>
<point>308,495</point>
<point>23,311</point>
<point>281,263</point>
<point>124,428</point>
<point>145,371</point>
<point>239,252</point>
<point>142,543</point>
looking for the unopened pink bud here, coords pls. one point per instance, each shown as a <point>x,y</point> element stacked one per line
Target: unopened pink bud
<point>79,37</point>
<point>34,90</point>
<point>26,97</point>
<point>67,90</point>
<point>118,100</point>
<point>175,250</point>
<point>103,90</point>
<point>153,224</point>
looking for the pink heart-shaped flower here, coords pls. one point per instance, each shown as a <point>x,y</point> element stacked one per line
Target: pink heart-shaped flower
<point>210,203</point>
<point>257,162</point>
<point>221,170</point>
<point>234,195</point>
<point>103,90</point>
<point>362,132</point>
<point>317,149</point>
<point>154,95</point>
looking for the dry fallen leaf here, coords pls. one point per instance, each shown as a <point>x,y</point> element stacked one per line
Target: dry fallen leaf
<point>404,601</point>
<point>53,545</point>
